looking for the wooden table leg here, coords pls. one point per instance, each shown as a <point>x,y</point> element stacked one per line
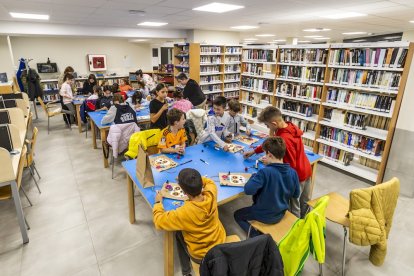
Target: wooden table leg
<point>168,253</point>
<point>103,139</point>
<point>93,134</point>
<point>314,166</point>
<point>131,199</point>
<point>78,118</point>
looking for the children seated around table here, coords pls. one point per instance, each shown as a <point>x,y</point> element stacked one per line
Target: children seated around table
<point>295,154</point>
<point>136,100</point>
<point>105,102</point>
<point>236,120</point>
<point>97,93</point>
<point>272,188</point>
<point>173,137</point>
<point>217,125</point>
<point>124,85</point>
<point>120,112</point>
<point>196,221</point>
<point>158,107</point>
<point>181,103</point>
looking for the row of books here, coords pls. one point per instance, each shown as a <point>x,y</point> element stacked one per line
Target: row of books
<point>373,102</point>
<point>232,77</point>
<point>256,98</point>
<point>51,97</point>
<point>307,142</point>
<point>335,154</point>
<point>369,163</point>
<point>316,56</point>
<point>258,84</point>
<point>250,110</point>
<point>366,78</point>
<point>233,50</point>
<point>210,59</point>
<point>211,87</point>
<point>184,50</point>
<point>210,49</point>
<point>207,69</point>
<point>232,68</point>
<point>50,86</point>
<point>369,57</point>
<point>304,125</point>
<point>354,141</point>
<point>303,109</point>
<point>311,92</point>
<point>259,69</point>
<point>232,94</point>
<point>259,54</point>
<point>212,78</point>
<point>232,59</point>
<point>315,74</point>
<point>232,85</point>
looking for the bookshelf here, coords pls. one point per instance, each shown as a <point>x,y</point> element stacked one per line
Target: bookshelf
<point>187,60</point>
<point>232,70</point>
<point>257,81</point>
<point>211,70</point>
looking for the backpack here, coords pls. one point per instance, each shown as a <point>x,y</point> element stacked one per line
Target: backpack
<point>191,132</point>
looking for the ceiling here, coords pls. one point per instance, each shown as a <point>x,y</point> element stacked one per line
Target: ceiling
<point>285,18</point>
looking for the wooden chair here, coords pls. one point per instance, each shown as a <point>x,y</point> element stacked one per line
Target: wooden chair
<point>51,110</point>
<point>29,162</point>
<point>229,239</point>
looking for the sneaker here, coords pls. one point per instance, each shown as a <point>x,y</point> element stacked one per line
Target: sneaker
<point>74,126</point>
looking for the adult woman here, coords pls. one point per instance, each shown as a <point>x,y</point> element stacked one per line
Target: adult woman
<point>89,84</point>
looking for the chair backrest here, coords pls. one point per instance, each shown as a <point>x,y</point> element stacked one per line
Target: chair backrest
<point>21,166</point>
<point>24,106</point>
<point>147,138</point>
<point>42,103</point>
<point>30,151</point>
<point>199,118</point>
<point>6,168</point>
<point>17,118</point>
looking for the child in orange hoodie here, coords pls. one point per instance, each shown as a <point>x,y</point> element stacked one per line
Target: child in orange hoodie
<point>196,222</point>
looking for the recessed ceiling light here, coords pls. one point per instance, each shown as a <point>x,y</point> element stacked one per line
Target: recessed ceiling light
<point>29,16</point>
<point>153,24</point>
<point>250,39</point>
<point>312,36</point>
<point>342,15</point>
<point>354,33</point>
<point>244,27</point>
<point>412,21</point>
<point>265,35</point>
<point>316,30</point>
<point>279,40</point>
<point>303,41</point>
<point>139,40</point>
<point>321,38</point>
<point>218,7</point>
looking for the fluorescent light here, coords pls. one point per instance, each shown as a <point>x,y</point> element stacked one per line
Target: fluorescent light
<point>29,16</point>
<point>139,40</point>
<point>244,27</point>
<point>354,33</point>
<point>218,7</point>
<point>359,40</point>
<point>303,41</point>
<point>342,15</point>
<point>250,39</point>
<point>265,35</point>
<point>279,40</point>
<point>312,36</point>
<point>412,21</point>
<point>316,30</point>
<point>321,38</point>
<point>152,24</point>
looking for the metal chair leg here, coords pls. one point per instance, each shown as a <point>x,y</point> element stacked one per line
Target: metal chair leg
<point>34,178</point>
<point>27,224</point>
<point>344,252</point>
<point>113,164</point>
<point>320,270</point>
<point>48,123</point>
<point>34,167</point>
<point>86,128</point>
<point>24,192</point>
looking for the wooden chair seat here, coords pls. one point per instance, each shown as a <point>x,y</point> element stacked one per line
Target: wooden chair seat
<point>278,230</point>
<point>229,239</point>
<point>337,209</point>
<point>53,111</point>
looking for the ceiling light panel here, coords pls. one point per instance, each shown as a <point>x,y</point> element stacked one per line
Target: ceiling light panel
<point>244,27</point>
<point>218,7</point>
<point>29,16</point>
<point>152,24</point>
<point>265,35</point>
<point>342,15</point>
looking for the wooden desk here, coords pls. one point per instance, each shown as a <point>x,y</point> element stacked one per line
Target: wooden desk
<point>78,102</point>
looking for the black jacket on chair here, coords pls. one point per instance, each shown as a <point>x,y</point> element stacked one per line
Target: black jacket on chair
<point>258,256</point>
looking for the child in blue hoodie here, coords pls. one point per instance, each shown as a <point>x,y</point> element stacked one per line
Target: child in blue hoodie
<point>272,188</point>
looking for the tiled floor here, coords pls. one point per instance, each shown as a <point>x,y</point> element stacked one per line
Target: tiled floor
<point>79,224</point>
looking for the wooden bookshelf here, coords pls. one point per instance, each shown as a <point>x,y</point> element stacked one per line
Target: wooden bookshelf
<point>232,71</point>
<point>211,70</point>
<point>187,60</point>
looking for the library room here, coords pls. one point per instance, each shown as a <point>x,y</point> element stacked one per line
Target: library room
<point>202,138</point>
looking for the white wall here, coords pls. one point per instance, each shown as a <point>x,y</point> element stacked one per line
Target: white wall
<point>122,56</point>
<point>405,118</point>
<point>5,60</point>
<point>214,37</point>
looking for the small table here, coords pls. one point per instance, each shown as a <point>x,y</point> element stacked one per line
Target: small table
<point>218,161</point>
<point>96,118</point>
<point>78,101</point>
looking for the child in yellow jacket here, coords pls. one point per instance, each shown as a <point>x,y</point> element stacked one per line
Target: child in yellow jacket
<point>196,222</point>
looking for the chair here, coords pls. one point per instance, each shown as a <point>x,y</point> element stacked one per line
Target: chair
<point>229,239</point>
<point>52,110</point>
<point>17,118</point>
<point>147,138</point>
<point>29,162</point>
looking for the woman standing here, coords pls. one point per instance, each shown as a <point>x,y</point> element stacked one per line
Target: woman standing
<point>89,84</point>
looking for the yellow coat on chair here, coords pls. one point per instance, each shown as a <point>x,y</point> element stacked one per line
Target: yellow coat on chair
<point>370,214</point>
<point>146,138</point>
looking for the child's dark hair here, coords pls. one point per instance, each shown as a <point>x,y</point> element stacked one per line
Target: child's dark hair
<point>276,146</point>
<point>158,88</point>
<point>220,101</point>
<point>115,88</point>
<point>181,76</point>
<point>126,81</point>
<point>269,114</point>
<point>138,73</point>
<point>107,88</point>
<point>190,181</point>
<point>178,94</point>
<point>137,97</point>
<point>92,76</point>
<point>174,115</point>
<point>97,88</point>
<point>68,76</point>
<point>234,105</point>
<point>118,98</point>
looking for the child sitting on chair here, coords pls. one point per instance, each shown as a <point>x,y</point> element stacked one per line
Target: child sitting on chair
<point>180,103</point>
<point>196,221</point>
<point>236,120</point>
<point>217,124</point>
<point>119,112</point>
<point>105,102</point>
<point>272,188</point>
<point>173,137</point>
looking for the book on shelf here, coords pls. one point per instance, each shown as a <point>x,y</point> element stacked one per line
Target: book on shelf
<point>314,74</point>
<point>303,109</point>
<point>232,77</point>
<point>369,57</point>
<point>259,69</point>
<point>365,78</point>
<point>232,68</point>
<point>303,125</point>
<point>232,94</point>
<point>230,59</point>
<point>212,78</point>
<point>311,92</point>
<point>210,59</point>
<point>232,85</point>
<point>233,50</point>
<point>259,55</point>
<point>261,85</point>
<point>312,56</point>
<point>211,87</point>
<point>210,49</point>
<point>209,69</point>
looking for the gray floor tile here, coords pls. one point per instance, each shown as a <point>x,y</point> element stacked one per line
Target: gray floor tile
<point>11,262</point>
<point>92,270</point>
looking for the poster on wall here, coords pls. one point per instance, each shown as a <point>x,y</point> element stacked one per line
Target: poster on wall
<point>97,62</point>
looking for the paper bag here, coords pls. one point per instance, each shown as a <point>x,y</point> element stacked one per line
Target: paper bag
<point>143,170</point>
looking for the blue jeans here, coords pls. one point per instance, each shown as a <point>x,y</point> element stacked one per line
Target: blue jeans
<point>242,217</point>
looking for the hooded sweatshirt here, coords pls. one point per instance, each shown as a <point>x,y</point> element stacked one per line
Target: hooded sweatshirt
<point>295,152</point>
<point>272,188</point>
<point>198,221</point>
<point>120,114</point>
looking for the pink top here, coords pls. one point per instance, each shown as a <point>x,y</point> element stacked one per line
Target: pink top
<point>183,105</point>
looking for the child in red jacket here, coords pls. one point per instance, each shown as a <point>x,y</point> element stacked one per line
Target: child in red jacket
<point>295,153</point>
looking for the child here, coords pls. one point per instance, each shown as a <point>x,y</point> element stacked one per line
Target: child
<point>236,120</point>
<point>124,85</point>
<point>295,153</point>
<point>272,188</point>
<point>180,103</point>
<point>158,107</point>
<point>97,90</point>
<point>67,97</point>
<point>89,84</point>
<point>120,112</point>
<point>196,222</point>
<point>173,137</point>
<point>217,124</point>
<point>136,100</point>
<point>105,102</point>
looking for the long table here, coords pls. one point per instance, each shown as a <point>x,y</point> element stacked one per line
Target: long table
<point>218,161</point>
<point>78,101</point>
<point>96,119</point>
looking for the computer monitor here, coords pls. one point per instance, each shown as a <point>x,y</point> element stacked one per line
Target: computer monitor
<point>3,78</point>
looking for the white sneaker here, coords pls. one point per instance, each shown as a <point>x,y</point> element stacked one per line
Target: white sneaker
<point>74,126</point>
